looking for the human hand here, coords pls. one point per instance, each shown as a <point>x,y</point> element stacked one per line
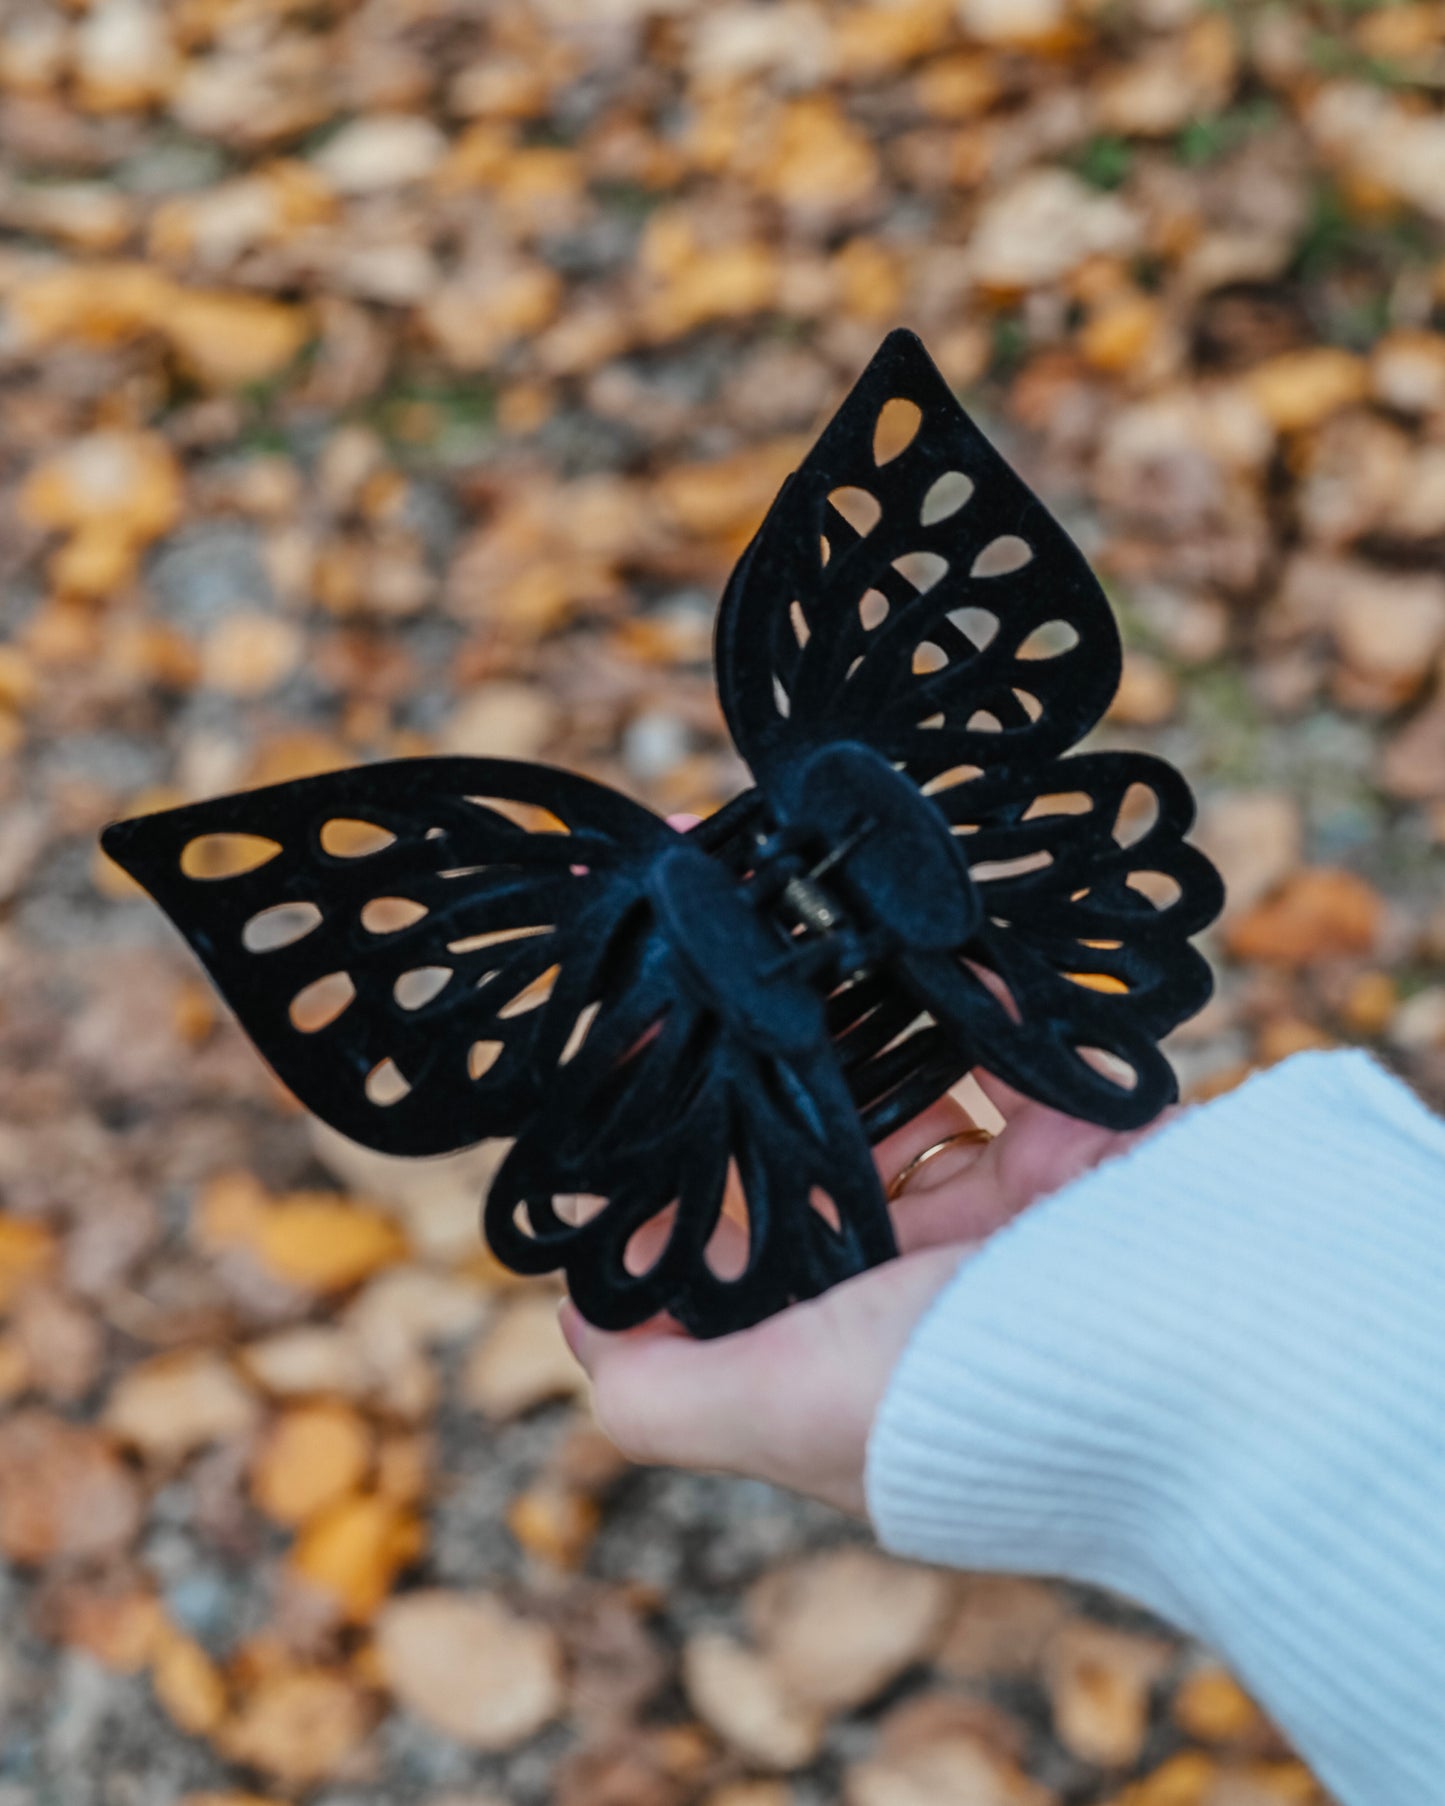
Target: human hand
<point>792,1399</point>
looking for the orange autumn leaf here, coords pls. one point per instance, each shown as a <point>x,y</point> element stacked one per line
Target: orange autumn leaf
<point>324,1242</point>
<point>1317,913</point>
<point>187,1683</point>
<point>27,1249</point>
<point>297,1725</point>
<point>311,1457</point>
<point>353,1551</point>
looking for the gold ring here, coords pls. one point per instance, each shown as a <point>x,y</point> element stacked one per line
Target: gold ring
<point>972,1137</point>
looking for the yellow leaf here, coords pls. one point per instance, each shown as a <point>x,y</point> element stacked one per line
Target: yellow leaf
<point>354,1551</point>
<point>312,1456</point>
<point>26,1250</point>
<point>322,1242</point>
<point>299,1724</point>
<point>228,340</point>
<point>1301,389</point>
<point>820,159</point>
<point>187,1683</point>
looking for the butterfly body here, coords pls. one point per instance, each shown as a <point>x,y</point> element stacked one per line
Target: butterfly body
<point>708,1028</point>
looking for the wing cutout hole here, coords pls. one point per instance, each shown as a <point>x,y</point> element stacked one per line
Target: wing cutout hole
<point>946,495</point>
<point>648,1242</point>
<point>984,721</point>
<point>826,1208</point>
<point>385,1085</point>
<point>782,702</point>
<point>279,926</point>
<point>980,625</point>
<point>531,816</point>
<point>936,719</point>
<point>1104,982</point>
<point>825,550</point>
<point>1160,889</point>
<point>994,984</point>
<point>921,569</point>
<point>857,665</point>
<point>1062,802</point>
<point>801,631</point>
<point>861,510</point>
<point>928,657</point>
<point>1138,813</point>
<point>1109,1066</point>
<point>532,996</point>
<point>415,989</point>
<point>580,1030</point>
<point>387,915</point>
<point>951,779</point>
<point>1029,703</point>
<point>346,837</point>
<point>1052,639</point>
<point>482,1056</point>
<point>1001,556</point>
<point>872,609</point>
<point>897,428</point>
<point>726,1253</point>
<point>474,943</point>
<point>995,870</point>
<point>226,855</point>
<point>321,1002</point>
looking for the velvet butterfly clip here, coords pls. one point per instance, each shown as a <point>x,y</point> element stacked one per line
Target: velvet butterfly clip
<point>673,1025</point>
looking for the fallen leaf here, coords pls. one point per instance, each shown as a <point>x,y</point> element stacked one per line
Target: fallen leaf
<point>470,1666</point>
<point>298,1725</point>
<point>1099,1682</point>
<point>187,1683</point>
<point>1211,1707</point>
<point>522,1362</point>
<point>63,1492</point>
<point>174,1404</point>
<point>351,1552</point>
<point>325,1243</point>
<point>27,1250</point>
<point>838,1628</point>
<point>1301,389</point>
<point>310,1457</point>
<point>736,1692</point>
<point>1318,913</point>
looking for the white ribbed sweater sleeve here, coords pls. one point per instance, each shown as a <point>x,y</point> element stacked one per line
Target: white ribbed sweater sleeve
<point>1211,1375</point>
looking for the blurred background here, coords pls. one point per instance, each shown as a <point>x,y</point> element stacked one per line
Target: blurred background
<point>404,375</point>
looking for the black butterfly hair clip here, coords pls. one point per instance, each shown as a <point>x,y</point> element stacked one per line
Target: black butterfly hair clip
<point>918,884</point>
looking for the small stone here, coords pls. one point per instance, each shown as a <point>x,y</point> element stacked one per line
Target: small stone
<point>522,1363</point>
<point>1420,1021</point>
<point>381,151</point>
<point>737,1693</point>
<point>470,1666</point>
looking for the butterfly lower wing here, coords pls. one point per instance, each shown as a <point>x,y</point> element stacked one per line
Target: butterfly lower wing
<point>922,601</point>
<point>411,960</point>
<point>1090,895</point>
<point>712,1181</point>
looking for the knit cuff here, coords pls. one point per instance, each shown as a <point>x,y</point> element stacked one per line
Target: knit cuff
<point>1211,1375</point>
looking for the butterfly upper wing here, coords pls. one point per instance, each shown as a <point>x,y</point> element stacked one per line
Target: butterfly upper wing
<point>471,946</point>
<point>900,626</point>
<point>924,602</point>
